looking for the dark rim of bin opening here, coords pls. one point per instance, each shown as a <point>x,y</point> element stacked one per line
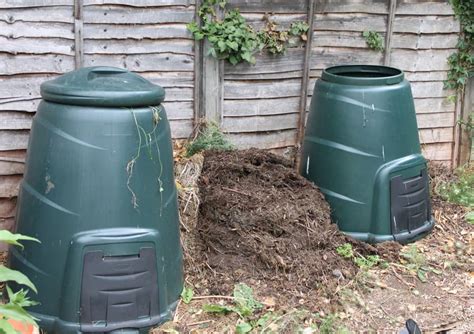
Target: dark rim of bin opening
<point>363,75</point>
<point>102,86</point>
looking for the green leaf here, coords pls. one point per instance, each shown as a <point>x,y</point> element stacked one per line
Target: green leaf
<point>187,295</point>
<point>243,295</point>
<point>214,308</point>
<point>470,217</point>
<point>422,276</point>
<point>243,327</point>
<point>7,274</point>
<point>12,239</point>
<point>16,312</point>
<point>19,298</point>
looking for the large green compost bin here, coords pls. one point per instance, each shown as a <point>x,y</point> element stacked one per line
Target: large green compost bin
<point>99,194</point>
<point>361,148</point>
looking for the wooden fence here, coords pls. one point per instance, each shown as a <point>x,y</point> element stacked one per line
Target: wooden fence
<point>259,105</point>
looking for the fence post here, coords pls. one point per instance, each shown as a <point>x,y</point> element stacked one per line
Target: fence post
<point>304,84</point>
<point>388,36</point>
<point>78,34</point>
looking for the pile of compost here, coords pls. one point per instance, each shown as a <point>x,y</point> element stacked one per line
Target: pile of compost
<point>261,221</point>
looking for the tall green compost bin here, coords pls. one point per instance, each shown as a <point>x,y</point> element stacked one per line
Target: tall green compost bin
<point>99,194</point>
<point>361,148</point>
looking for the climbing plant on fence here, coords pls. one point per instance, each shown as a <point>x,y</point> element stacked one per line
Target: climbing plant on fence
<point>461,62</point>
<point>233,39</point>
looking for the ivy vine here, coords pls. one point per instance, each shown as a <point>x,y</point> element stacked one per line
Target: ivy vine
<point>461,62</point>
<point>374,40</point>
<point>233,39</point>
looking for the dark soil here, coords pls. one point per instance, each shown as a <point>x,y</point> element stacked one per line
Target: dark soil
<point>260,221</point>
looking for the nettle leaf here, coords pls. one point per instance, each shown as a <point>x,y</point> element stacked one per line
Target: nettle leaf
<point>7,274</point>
<point>12,239</point>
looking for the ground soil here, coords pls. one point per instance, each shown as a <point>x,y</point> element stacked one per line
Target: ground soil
<point>261,224</point>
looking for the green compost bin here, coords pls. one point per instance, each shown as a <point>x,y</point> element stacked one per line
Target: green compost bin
<point>361,148</point>
<point>99,194</point>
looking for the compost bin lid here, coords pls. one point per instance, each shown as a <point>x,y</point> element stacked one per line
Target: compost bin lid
<point>102,86</point>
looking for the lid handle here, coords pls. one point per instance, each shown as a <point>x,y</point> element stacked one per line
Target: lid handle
<point>102,71</point>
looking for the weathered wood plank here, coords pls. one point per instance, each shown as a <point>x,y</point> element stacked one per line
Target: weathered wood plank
<point>21,87</point>
<point>11,167</point>
<point>128,15</point>
<point>140,3</point>
<point>25,104</point>
<point>36,45</point>
<point>344,6</point>
<point>424,41</point>
<point>236,90</point>
<point>9,185</point>
<point>431,105</point>
<point>260,123</point>
<point>265,76</point>
<point>421,60</point>
<point>267,63</point>
<point>7,207</point>
<point>39,14</point>
<point>343,39</point>
<point>436,135</point>
<point>11,120</point>
<point>261,107</point>
<point>435,120</point>
<point>116,46</point>
<point>144,62</point>
<point>13,140</point>
<point>267,6</point>
<point>424,8</point>
<point>325,57</point>
<point>181,129</point>
<point>439,151</point>
<point>429,89</point>
<point>33,3</point>
<point>28,64</point>
<point>426,76</point>
<point>263,140</point>
<point>78,33</point>
<point>136,32</point>
<point>179,94</point>
<point>36,29</point>
<point>170,79</point>
<point>179,110</point>
<point>425,24</point>
<point>350,22</point>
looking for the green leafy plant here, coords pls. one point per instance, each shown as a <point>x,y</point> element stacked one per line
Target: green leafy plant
<point>187,295</point>
<point>470,217</point>
<point>460,191</point>
<point>374,40</point>
<point>233,39</point>
<point>364,262</point>
<point>17,301</point>
<point>417,263</point>
<point>461,62</point>
<point>244,304</point>
<point>208,137</point>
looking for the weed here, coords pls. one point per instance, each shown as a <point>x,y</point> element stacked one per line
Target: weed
<point>209,138</point>
<point>374,40</point>
<point>462,190</point>
<point>417,263</point>
<point>187,294</point>
<point>470,217</point>
<point>345,251</point>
